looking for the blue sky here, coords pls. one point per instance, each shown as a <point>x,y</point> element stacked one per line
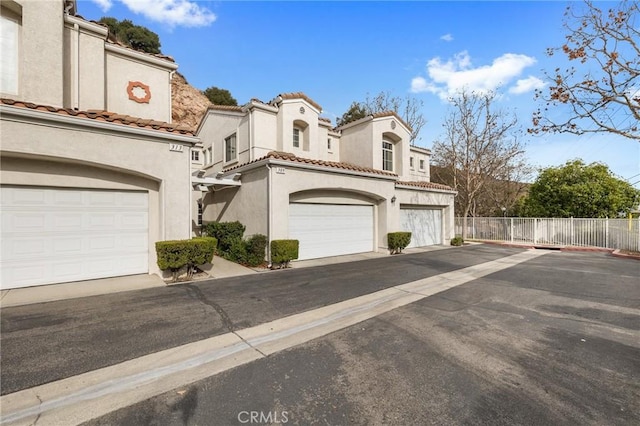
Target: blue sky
<point>338,52</point>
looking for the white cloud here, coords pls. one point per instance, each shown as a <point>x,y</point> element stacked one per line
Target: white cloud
<point>445,79</point>
<point>447,37</point>
<point>184,13</point>
<point>527,85</point>
<point>104,5</point>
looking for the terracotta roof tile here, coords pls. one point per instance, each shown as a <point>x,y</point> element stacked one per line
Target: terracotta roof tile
<point>300,95</point>
<point>225,107</point>
<point>426,185</point>
<point>391,114</point>
<point>325,119</point>
<point>105,116</point>
<point>286,156</point>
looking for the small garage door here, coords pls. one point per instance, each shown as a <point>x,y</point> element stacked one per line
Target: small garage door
<point>61,235</point>
<point>425,226</point>
<point>331,229</point>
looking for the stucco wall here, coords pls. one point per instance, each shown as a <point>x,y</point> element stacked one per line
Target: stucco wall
<point>53,154</point>
<point>247,204</point>
<point>416,173</point>
<point>40,74</point>
<point>218,125</point>
<point>288,114</point>
<point>123,69</point>
<point>293,181</point>
<point>356,146</point>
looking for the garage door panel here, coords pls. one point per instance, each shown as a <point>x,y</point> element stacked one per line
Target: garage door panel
<point>331,229</point>
<point>59,235</point>
<point>424,224</point>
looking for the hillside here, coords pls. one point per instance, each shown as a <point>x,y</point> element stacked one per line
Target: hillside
<point>188,104</point>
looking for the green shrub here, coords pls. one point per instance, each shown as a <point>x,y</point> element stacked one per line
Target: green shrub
<point>283,252</point>
<point>256,247</point>
<point>236,252</point>
<point>397,241</point>
<point>457,241</point>
<point>225,232</point>
<point>176,254</point>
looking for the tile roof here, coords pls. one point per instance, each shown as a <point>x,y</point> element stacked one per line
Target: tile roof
<point>426,185</point>
<point>226,107</point>
<point>325,119</point>
<point>286,156</point>
<point>107,116</point>
<point>300,95</point>
<point>391,114</point>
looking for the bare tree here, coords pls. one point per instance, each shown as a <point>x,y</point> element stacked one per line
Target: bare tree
<point>409,108</point>
<point>480,146</point>
<point>601,92</point>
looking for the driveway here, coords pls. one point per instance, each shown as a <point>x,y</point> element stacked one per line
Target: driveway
<point>552,340</point>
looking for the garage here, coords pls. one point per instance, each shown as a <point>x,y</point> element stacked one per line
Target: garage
<point>54,235</point>
<point>425,225</point>
<point>331,229</point>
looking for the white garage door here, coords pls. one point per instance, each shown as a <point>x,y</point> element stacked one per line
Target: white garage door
<point>61,235</point>
<point>331,229</point>
<point>425,226</point>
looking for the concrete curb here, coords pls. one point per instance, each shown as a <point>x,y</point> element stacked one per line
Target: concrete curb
<point>617,253</point>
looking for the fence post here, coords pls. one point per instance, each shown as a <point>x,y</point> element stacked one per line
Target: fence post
<point>606,233</point>
<point>572,231</point>
<point>473,227</point>
<point>511,228</point>
<point>535,231</point>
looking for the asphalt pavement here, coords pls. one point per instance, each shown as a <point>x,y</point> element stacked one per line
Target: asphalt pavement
<point>552,340</point>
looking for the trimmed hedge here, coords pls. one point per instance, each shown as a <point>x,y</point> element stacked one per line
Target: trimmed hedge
<point>256,247</point>
<point>225,232</point>
<point>457,241</point>
<point>397,241</point>
<point>176,254</point>
<point>283,252</point>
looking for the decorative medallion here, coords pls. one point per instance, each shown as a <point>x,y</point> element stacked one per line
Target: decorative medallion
<point>138,92</point>
<point>393,124</point>
<point>302,110</point>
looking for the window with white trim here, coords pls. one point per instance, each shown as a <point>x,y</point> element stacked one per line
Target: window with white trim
<point>9,38</point>
<point>387,156</point>
<point>230,148</point>
<point>296,137</point>
<point>195,155</point>
<point>411,162</point>
<point>208,156</point>
<point>329,143</point>
<point>421,164</point>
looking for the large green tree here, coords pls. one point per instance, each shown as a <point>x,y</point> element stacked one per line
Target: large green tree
<point>130,34</point>
<point>219,96</point>
<point>577,189</point>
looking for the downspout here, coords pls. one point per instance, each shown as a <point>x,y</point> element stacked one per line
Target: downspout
<point>76,69</point>
<point>269,215</point>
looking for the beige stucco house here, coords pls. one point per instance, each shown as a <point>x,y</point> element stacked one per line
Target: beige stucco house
<point>289,174</point>
<point>87,187</point>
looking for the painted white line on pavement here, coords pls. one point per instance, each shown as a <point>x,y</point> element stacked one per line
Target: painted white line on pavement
<point>86,396</point>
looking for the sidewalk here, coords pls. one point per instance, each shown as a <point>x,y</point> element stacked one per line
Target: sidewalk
<point>220,268</point>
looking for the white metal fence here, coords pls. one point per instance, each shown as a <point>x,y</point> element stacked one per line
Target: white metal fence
<point>621,234</point>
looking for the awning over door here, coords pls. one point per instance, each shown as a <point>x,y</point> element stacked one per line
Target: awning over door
<point>52,235</point>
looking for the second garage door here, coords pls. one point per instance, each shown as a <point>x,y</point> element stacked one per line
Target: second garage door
<point>425,225</point>
<point>331,229</point>
<point>52,235</point>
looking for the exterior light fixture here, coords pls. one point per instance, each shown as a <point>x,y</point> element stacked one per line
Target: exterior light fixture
<point>393,199</point>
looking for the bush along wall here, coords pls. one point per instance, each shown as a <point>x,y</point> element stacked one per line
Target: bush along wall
<point>398,241</point>
<point>283,252</point>
<point>232,246</point>
<point>177,254</point>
